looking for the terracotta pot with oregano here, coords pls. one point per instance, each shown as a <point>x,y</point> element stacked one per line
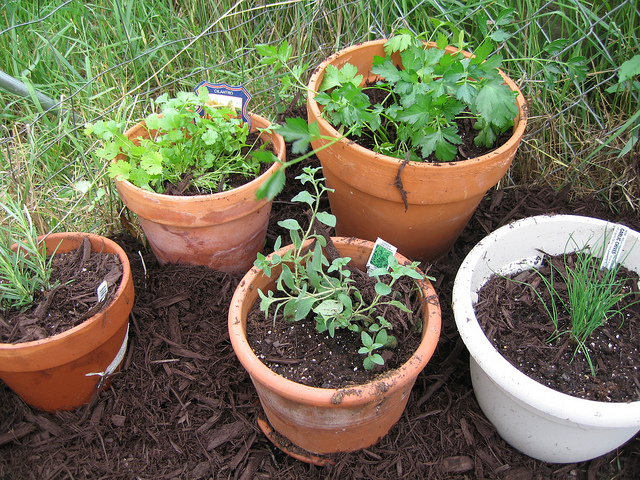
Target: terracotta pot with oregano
<point>311,284</point>
<point>60,362</point>
<point>192,180</point>
<point>562,275</point>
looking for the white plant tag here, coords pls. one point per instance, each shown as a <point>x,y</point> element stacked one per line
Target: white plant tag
<point>614,247</point>
<point>116,361</point>
<point>380,254</point>
<point>102,291</point>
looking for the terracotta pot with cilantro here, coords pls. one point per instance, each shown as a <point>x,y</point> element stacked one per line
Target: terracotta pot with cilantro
<point>318,408</point>
<point>554,351</point>
<point>60,361</point>
<point>425,130</point>
<point>192,179</point>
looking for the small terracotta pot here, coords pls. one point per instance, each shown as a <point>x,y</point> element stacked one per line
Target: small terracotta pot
<point>441,197</point>
<point>62,372</point>
<point>223,231</point>
<point>321,420</point>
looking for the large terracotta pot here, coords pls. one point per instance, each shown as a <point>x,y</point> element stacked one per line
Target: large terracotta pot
<point>541,422</point>
<point>441,197</point>
<point>320,421</point>
<point>223,231</point>
<point>63,372</point>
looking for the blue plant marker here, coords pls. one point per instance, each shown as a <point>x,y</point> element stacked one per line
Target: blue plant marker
<point>236,96</point>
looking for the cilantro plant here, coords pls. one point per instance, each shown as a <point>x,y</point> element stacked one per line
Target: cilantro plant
<point>184,147</point>
<point>310,284</point>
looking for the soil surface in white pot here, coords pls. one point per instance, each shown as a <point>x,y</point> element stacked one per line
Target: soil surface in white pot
<point>515,321</point>
<point>73,299</point>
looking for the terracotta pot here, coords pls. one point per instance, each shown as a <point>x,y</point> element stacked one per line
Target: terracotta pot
<point>541,422</point>
<point>320,420</point>
<point>62,372</point>
<point>223,231</point>
<point>441,197</point>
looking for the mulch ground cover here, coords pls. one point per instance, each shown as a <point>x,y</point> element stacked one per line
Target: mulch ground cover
<point>183,407</point>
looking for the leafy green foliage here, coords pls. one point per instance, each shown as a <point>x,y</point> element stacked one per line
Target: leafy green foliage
<point>310,284</point>
<point>424,98</point>
<point>25,271</point>
<point>182,144</point>
<point>593,293</point>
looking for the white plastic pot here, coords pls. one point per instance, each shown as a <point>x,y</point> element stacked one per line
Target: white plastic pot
<point>539,421</point>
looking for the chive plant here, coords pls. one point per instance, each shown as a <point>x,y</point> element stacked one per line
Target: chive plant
<point>593,295</point>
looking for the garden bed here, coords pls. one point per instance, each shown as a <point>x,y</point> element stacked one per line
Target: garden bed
<point>184,408</point>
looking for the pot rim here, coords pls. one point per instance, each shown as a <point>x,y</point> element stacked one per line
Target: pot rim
<point>511,144</point>
<point>347,396</point>
<point>246,189</point>
<point>499,369</point>
<point>99,316</point>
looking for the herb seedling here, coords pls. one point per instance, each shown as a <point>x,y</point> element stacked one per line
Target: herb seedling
<point>25,271</point>
<point>183,145</point>
<point>310,284</point>
<point>592,292</point>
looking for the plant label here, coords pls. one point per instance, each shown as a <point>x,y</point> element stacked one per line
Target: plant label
<point>380,254</point>
<point>614,247</point>
<point>236,97</point>
<point>102,290</point>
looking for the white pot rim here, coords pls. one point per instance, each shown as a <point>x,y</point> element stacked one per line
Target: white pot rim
<point>519,385</point>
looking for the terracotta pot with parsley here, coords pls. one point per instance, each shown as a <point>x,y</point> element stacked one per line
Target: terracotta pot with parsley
<point>425,130</point>
<point>191,179</point>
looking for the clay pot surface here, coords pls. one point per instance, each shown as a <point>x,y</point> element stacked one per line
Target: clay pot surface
<point>323,421</point>
<point>223,231</point>
<point>441,197</point>
<point>59,372</point>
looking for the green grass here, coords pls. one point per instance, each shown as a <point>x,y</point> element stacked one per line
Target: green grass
<point>104,59</point>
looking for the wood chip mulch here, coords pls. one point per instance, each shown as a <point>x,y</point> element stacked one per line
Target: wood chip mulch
<point>183,407</point>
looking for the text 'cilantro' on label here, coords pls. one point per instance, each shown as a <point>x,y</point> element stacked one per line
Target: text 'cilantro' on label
<point>236,97</point>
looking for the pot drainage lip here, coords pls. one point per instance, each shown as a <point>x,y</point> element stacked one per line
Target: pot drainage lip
<point>290,449</point>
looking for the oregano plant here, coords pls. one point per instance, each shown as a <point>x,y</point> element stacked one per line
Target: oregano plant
<point>310,283</point>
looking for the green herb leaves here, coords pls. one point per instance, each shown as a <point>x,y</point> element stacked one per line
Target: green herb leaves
<point>310,283</point>
<point>181,144</point>
<point>424,98</point>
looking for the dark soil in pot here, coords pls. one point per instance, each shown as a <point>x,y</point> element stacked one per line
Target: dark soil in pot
<point>183,407</point>
<point>76,276</point>
<point>515,321</point>
<point>296,351</point>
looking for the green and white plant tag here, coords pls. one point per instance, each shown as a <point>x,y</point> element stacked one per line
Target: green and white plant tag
<point>614,247</point>
<point>380,255</point>
<point>236,97</point>
<point>102,290</point>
